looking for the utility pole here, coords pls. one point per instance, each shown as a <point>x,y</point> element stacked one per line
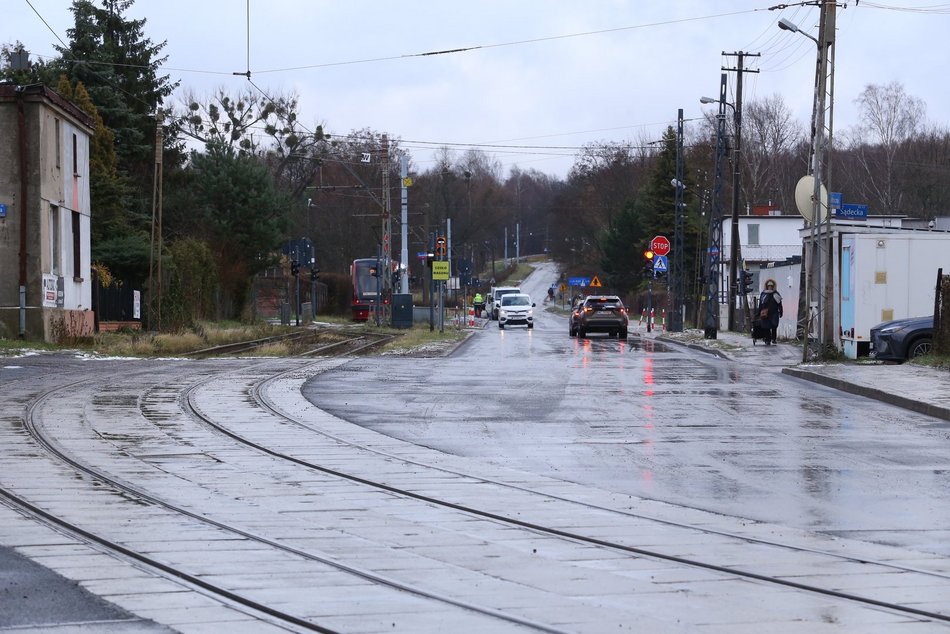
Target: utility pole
<point>155,255</point>
<point>676,271</point>
<point>735,253</point>
<point>404,233</point>
<point>814,290</point>
<point>714,255</point>
<point>387,231</point>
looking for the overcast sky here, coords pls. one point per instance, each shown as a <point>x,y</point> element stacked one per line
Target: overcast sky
<point>542,78</point>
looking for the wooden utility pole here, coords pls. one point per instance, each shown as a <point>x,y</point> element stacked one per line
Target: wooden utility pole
<point>735,252</point>
<point>155,256</point>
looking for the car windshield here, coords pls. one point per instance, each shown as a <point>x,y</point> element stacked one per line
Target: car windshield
<point>515,300</point>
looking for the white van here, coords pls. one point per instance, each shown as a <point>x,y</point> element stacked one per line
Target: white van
<point>494,298</point>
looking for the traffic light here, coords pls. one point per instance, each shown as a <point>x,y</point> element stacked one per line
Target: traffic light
<point>294,268</point>
<point>314,274</point>
<point>440,248</point>
<point>745,282</point>
<point>648,266</point>
<point>374,271</point>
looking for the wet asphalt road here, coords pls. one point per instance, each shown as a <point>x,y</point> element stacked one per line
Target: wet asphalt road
<point>664,422</point>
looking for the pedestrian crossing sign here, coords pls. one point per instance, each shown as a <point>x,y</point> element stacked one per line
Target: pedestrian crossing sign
<point>660,263</point>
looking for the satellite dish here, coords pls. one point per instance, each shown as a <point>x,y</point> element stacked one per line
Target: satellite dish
<point>805,199</point>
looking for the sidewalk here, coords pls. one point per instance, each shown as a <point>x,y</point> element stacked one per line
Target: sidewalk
<point>913,387</point>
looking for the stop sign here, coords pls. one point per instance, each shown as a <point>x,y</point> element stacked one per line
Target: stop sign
<point>660,245</point>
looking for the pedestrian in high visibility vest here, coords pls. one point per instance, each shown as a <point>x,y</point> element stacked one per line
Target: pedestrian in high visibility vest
<point>479,304</point>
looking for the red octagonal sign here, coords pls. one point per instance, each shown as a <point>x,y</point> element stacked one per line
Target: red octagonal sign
<point>660,245</point>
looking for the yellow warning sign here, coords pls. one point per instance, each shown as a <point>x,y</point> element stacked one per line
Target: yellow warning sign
<point>595,282</point>
<point>440,270</point>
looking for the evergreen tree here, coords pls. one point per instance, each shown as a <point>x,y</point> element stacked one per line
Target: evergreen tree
<point>240,215</point>
<point>622,245</point>
<point>118,65</point>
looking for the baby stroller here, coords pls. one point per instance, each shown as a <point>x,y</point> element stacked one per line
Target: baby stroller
<point>759,330</point>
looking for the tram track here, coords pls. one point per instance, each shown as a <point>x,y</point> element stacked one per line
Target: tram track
<point>196,580</point>
<point>256,388</point>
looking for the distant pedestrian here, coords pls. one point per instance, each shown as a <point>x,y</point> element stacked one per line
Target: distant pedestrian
<point>478,303</point>
<point>770,311</point>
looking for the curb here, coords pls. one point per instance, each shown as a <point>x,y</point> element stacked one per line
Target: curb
<point>904,402</point>
<point>695,346</point>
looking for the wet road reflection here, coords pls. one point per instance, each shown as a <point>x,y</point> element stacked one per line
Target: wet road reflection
<point>663,422</point>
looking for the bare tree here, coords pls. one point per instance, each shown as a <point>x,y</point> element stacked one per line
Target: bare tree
<point>770,134</point>
<point>889,119</point>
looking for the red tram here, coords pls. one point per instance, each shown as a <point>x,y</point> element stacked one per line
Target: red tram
<point>367,286</point>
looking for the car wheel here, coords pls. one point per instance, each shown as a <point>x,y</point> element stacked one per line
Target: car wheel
<point>919,348</point>
<point>501,326</point>
<point>530,326</point>
<point>571,332</point>
<point>581,333</point>
<point>623,334</point>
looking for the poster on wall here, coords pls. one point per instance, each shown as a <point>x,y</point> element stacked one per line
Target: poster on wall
<point>49,291</point>
<point>136,304</point>
<point>53,292</point>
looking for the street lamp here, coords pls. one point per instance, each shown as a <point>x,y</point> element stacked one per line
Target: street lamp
<point>786,25</point>
<point>818,147</point>
<point>734,233</point>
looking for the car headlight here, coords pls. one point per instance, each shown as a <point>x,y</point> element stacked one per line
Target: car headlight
<point>890,329</point>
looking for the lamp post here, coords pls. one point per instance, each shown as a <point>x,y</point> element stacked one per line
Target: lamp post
<point>826,26</point>
<point>734,250</point>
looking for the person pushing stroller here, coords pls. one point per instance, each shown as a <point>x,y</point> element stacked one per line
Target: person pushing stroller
<point>770,311</point>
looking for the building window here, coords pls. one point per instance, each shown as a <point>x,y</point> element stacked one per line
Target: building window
<point>55,242</point>
<point>753,235</point>
<point>58,126</point>
<point>75,155</point>
<point>77,247</point>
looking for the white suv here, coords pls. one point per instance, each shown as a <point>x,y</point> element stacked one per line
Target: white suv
<point>494,299</point>
<point>516,308</point>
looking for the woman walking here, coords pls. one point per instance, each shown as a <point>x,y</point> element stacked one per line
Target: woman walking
<point>770,311</point>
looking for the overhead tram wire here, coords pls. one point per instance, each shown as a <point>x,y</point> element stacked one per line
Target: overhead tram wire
<point>465,49</point>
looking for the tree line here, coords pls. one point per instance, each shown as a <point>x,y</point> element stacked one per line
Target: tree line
<point>243,173</point>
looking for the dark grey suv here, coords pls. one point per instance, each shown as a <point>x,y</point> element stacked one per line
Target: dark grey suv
<point>600,313</point>
<point>902,339</point>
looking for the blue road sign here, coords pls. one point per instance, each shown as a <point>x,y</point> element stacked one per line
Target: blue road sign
<point>660,263</point>
<point>852,212</point>
<point>835,199</point>
<point>579,281</point>
<point>3,211</point>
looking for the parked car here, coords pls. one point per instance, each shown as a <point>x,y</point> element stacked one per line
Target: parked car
<point>601,313</point>
<point>515,309</point>
<point>902,339</point>
<point>494,298</point>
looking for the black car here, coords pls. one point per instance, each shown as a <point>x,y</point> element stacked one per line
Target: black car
<point>902,339</point>
<point>599,313</point>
